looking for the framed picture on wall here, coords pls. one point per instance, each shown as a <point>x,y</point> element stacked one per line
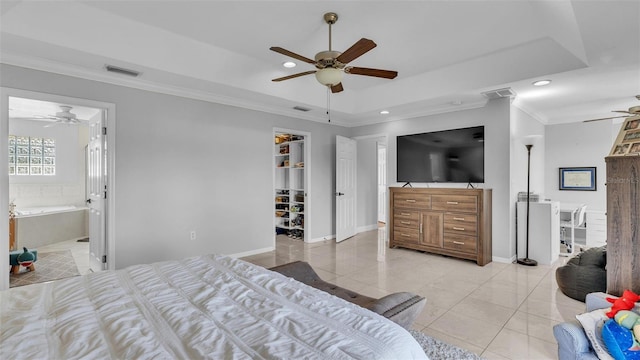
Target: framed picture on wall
<point>577,178</point>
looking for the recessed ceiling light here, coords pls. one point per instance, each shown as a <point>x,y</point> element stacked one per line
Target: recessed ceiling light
<point>289,64</point>
<point>384,112</point>
<point>542,82</point>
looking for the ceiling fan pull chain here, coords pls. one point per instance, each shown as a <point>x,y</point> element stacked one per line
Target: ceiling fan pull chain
<point>329,103</point>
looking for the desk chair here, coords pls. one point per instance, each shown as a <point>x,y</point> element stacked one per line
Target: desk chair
<point>576,220</point>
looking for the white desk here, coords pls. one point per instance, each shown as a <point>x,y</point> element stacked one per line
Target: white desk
<point>569,208</point>
<point>569,213</point>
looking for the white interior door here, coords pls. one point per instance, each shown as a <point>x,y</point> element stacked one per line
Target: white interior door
<point>345,188</point>
<point>382,182</point>
<point>96,193</point>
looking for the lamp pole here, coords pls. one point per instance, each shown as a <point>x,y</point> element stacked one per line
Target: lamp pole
<point>526,261</point>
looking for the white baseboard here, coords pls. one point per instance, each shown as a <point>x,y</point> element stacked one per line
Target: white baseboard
<point>367,228</point>
<point>503,260</point>
<point>252,252</point>
<point>327,237</point>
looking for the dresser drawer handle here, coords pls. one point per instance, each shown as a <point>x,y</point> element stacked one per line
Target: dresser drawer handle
<point>459,219</point>
<point>405,222</point>
<point>458,228</point>
<point>410,200</point>
<point>405,235</point>
<point>458,242</point>
<point>405,214</point>
<point>452,202</point>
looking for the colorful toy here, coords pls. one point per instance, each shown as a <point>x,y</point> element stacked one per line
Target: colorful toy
<point>27,258</point>
<point>629,320</point>
<point>620,342</point>
<point>624,302</point>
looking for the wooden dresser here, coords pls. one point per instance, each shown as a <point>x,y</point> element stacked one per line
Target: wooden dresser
<point>623,224</point>
<point>453,222</point>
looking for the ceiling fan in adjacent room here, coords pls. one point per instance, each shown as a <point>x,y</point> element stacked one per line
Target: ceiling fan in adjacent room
<point>633,111</point>
<point>331,64</point>
<point>63,117</point>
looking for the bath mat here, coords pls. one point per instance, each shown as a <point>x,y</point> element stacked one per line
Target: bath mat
<point>52,265</point>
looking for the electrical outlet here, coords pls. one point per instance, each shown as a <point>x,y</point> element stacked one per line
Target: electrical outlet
<point>192,235</point>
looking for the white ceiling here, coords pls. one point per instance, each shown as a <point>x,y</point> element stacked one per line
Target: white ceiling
<point>446,52</point>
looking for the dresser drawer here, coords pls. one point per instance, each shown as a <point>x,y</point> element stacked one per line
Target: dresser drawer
<point>462,243</point>
<point>406,235</point>
<point>462,203</point>
<point>405,214</point>
<point>419,201</point>
<point>464,224</point>
<point>406,223</point>
<point>465,220</point>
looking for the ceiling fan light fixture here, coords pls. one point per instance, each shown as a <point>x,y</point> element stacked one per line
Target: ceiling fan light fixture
<point>329,76</point>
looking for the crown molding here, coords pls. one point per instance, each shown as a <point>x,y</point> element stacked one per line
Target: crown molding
<point>140,84</point>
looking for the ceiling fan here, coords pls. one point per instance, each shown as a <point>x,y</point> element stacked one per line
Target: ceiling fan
<point>633,111</point>
<point>64,116</point>
<point>331,64</point>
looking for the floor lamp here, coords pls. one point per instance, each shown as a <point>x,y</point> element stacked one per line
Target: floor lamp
<point>525,260</point>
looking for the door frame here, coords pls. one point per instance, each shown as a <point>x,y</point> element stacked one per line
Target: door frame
<point>379,162</point>
<point>386,142</point>
<point>110,110</point>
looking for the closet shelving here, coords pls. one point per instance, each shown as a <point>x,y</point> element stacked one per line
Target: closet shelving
<point>290,192</point>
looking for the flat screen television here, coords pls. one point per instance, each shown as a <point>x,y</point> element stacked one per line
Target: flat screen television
<point>443,156</point>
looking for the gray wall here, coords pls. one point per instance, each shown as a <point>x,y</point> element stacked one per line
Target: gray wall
<point>184,164</point>
<point>579,144</point>
<point>495,116</point>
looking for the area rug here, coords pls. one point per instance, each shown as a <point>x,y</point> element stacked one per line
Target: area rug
<point>53,265</point>
<point>438,350</point>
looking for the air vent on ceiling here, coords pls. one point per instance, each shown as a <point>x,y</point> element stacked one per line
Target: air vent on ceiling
<point>300,108</point>
<point>500,93</point>
<point>122,71</point>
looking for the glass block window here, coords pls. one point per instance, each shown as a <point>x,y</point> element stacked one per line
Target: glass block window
<point>31,156</point>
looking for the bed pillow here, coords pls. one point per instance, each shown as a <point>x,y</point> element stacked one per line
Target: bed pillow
<point>592,323</point>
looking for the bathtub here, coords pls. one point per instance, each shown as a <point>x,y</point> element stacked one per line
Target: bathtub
<point>39,226</point>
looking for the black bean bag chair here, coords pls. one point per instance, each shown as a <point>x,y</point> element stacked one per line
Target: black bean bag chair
<point>584,273</point>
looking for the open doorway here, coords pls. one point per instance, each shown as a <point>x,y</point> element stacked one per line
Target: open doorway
<point>56,183</point>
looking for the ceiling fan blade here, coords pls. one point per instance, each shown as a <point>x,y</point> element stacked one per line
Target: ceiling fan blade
<point>387,74</point>
<point>291,54</point>
<point>337,88</point>
<point>356,50</point>
<point>295,75</point>
<point>608,118</point>
<point>622,111</point>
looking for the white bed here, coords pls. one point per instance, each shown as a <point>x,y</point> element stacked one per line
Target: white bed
<point>204,307</point>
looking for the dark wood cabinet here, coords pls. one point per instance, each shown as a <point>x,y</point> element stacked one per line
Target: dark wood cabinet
<point>454,222</point>
<point>623,224</point>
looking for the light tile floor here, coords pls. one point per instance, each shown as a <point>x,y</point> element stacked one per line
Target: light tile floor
<point>499,311</point>
<point>79,250</point>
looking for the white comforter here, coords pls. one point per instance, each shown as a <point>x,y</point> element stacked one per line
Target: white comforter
<point>204,307</point>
